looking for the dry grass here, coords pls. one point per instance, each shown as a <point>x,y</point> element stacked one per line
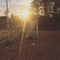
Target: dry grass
<point>47,47</point>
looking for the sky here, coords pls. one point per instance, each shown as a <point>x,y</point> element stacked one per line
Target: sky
<point>15,6</point>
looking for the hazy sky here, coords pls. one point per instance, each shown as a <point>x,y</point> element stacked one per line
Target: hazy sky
<point>14,5</point>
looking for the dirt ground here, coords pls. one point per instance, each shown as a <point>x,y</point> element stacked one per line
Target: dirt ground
<point>46,47</point>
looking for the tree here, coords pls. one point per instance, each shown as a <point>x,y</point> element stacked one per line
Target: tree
<point>15,22</point>
<point>35,5</point>
<point>41,5</point>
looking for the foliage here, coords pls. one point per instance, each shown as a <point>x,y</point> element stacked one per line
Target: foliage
<point>35,5</point>
<point>15,22</point>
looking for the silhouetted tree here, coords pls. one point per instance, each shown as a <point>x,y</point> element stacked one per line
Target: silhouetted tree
<point>15,22</point>
<point>35,5</point>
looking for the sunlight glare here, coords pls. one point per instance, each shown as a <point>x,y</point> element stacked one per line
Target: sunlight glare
<point>25,14</point>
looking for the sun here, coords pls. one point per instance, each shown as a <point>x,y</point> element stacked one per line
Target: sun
<point>25,14</point>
